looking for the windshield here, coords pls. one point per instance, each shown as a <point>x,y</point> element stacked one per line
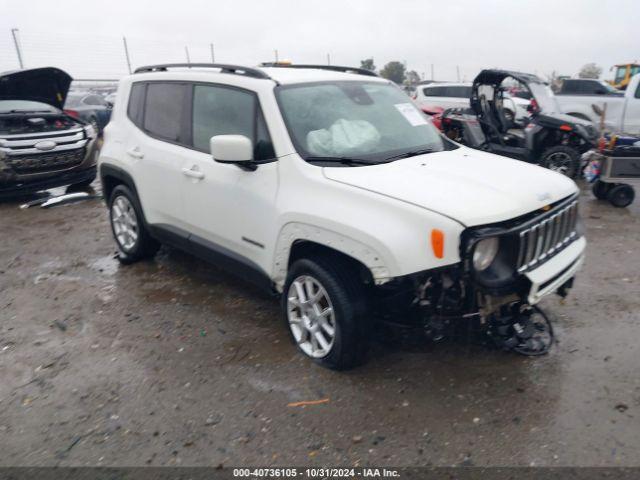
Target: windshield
<point>545,98</point>
<point>369,121</point>
<point>24,106</point>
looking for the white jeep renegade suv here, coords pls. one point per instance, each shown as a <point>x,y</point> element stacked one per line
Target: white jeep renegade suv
<point>328,186</point>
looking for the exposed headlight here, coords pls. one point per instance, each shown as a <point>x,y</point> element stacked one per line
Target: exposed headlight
<point>484,253</point>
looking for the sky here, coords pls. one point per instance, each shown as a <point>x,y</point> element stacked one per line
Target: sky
<point>537,36</point>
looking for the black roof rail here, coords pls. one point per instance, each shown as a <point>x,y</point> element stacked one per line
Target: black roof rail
<point>334,68</point>
<point>224,68</point>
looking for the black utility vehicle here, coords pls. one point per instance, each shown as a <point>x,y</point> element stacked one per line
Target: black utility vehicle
<point>548,137</point>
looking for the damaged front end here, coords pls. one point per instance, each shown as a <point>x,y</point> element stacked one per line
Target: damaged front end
<point>41,147</point>
<point>506,269</point>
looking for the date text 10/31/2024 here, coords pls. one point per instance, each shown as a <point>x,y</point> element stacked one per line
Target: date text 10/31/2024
<point>316,473</point>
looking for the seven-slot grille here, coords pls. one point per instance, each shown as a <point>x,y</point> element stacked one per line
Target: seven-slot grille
<point>548,236</point>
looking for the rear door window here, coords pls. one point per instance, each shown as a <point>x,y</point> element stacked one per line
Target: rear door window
<point>435,92</point>
<point>459,92</point>
<point>569,87</point>
<point>165,111</point>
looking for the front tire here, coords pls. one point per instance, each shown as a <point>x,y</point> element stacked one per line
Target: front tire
<point>325,309</point>
<point>562,159</point>
<point>132,238</point>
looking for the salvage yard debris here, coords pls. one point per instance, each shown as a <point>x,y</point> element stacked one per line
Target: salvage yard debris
<point>47,202</point>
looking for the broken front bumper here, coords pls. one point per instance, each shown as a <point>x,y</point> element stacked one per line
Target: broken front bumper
<point>554,273</point>
<point>12,190</point>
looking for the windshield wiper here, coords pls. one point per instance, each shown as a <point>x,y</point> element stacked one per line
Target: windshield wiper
<point>410,153</point>
<point>343,160</point>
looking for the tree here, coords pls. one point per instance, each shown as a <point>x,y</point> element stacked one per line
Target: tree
<point>590,70</point>
<point>555,82</point>
<point>412,78</point>
<point>368,64</point>
<point>394,71</point>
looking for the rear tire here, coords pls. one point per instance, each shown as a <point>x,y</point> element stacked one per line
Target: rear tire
<point>128,227</point>
<point>601,189</point>
<point>621,195</point>
<point>562,159</point>
<point>324,298</point>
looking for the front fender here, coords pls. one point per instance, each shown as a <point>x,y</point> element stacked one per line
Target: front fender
<point>295,231</point>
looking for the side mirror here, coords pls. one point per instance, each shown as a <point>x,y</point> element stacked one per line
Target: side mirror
<point>601,92</point>
<point>232,149</point>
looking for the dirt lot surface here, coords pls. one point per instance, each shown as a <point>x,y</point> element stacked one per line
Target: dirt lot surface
<point>174,362</point>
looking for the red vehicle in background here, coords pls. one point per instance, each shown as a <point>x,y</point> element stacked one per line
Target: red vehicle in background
<point>435,113</point>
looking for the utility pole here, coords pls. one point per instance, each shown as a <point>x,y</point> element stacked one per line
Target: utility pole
<point>14,32</point>
<point>186,50</point>
<point>126,54</point>
<point>432,72</point>
<point>328,59</point>
<point>276,52</point>
<point>458,72</point>
<point>213,58</point>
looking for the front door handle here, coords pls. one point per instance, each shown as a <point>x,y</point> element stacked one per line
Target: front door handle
<point>189,172</point>
<point>135,153</point>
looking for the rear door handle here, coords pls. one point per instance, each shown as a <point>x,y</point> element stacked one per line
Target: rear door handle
<point>189,172</point>
<point>135,153</point>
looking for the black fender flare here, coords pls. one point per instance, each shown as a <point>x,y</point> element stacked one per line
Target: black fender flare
<point>105,171</point>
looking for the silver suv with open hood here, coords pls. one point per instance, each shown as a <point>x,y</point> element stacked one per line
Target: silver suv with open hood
<point>40,145</point>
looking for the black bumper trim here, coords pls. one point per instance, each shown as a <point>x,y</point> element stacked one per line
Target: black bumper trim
<point>16,189</point>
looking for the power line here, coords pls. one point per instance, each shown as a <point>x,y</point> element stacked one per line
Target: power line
<point>14,33</point>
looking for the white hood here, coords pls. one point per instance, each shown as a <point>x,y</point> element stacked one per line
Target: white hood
<point>469,186</point>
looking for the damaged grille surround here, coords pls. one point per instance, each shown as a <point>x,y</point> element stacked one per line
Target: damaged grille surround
<point>526,243</point>
<point>21,155</point>
<point>544,238</point>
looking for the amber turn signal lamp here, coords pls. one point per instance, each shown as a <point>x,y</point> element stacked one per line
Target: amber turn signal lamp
<point>437,242</point>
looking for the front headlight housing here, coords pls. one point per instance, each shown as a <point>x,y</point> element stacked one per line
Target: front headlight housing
<point>492,261</point>
<point>484,253</point>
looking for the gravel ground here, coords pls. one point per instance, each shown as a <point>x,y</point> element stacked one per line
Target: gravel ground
<point>174,362</point>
